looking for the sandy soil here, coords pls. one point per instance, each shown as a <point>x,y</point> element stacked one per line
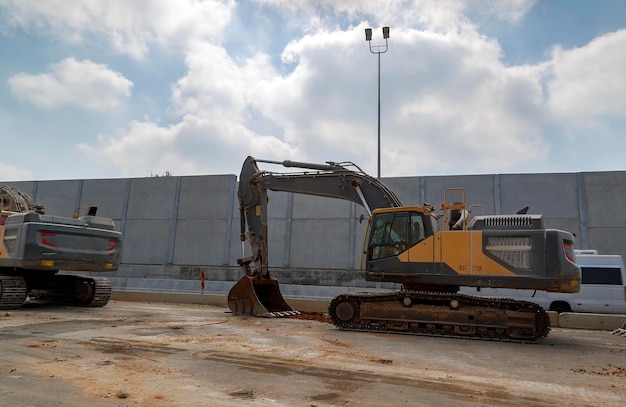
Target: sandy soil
<point>162,355</point>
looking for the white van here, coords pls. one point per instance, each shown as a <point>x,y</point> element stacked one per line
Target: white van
<point>602,290</point>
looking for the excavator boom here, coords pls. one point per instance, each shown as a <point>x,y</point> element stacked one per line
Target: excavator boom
<point>257,293</point>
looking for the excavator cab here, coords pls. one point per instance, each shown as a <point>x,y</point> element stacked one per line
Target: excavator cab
<point>395,230</point>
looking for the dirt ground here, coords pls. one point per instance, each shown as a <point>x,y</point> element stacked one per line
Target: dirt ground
<point>162,355</point>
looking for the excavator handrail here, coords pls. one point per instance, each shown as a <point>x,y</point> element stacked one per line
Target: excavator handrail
<point>14,200</point>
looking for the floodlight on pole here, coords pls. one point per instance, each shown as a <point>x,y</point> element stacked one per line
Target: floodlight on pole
<point>378,49</point>
<point>368,34</point>
<point>385,32</point>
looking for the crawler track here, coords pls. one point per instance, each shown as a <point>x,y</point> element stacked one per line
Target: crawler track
<point>440,314</point>
<point>13,291</point>
<point>77,291</point>
<point>100,292</point>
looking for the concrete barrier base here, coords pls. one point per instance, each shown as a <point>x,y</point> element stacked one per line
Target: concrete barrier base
<point>608,322</point>
<point>220,300</point>
<point>170,297</point>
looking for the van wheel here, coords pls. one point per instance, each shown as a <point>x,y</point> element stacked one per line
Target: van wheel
<point>560,306</point>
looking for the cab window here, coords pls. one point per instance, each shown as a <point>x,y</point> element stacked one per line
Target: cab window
<point>389,236</point>
<point>418,232</point>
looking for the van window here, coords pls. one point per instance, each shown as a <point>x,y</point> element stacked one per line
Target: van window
<point>601,275</point>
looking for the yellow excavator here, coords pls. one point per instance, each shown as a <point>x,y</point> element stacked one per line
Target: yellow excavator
<point>404,244</point>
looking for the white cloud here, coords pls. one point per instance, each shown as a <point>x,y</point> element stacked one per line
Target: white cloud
<point>211,101</point>
<point>130,26</point>
<point>452,102</point>
<point>193,146</point>
<point>509,10</point>
<point>213,86</point>
<point>9,172</point>
<point>454,98</point>
<point>437,15</point>
<point>449,103</point>
<point>84,84</point>
<point>589,83</point>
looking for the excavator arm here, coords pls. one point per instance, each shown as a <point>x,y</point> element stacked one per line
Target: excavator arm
<point>330,180</point>
<point>257,293</point>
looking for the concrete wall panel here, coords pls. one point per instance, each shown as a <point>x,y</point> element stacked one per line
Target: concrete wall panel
<point>146,241</point>
<point>205,197</point>
<point>606,199</point>
<point>152,198</point>
<point>608,240</point>
<point>109,195</point>
<point>553,195</point>
<point>277,241</point>
<point>407,189</point>
<point>59,197</point>
<point>199,241</point>
<point>320,243</point>
<point>277,204</point>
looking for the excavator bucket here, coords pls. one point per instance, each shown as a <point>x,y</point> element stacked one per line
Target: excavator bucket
<point>258,297</point>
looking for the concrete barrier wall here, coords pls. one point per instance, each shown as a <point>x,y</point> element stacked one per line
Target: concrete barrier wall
<point>176,227</point>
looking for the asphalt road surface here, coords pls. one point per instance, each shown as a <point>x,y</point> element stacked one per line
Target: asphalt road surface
<point>162,355</point>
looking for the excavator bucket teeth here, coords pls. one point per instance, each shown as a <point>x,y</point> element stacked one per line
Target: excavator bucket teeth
<point>258,297</point>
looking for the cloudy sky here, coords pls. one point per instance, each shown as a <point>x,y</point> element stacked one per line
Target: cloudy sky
<point>119,88</point>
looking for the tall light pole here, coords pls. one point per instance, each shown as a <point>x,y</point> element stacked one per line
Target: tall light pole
<point>378,49</point>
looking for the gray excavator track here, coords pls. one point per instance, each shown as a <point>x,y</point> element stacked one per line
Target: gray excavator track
<point>101,291</point>
<point>440,314</point>
<point>76,290</point>
<point>13,291</point>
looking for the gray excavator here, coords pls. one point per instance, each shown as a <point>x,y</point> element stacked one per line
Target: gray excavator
<point>35,247</point>
<point>406,245</point>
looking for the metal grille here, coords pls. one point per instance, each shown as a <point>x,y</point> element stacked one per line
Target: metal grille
<point>506,222</point>
<point>512,250</point>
